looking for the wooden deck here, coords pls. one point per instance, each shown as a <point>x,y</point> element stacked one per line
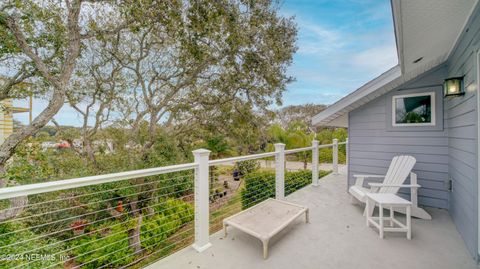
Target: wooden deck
<point>336,237</point>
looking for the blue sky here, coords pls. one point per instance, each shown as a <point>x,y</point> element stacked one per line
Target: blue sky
<point>342,44</point>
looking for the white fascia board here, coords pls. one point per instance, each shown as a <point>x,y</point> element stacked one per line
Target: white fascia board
<point>398,31</point>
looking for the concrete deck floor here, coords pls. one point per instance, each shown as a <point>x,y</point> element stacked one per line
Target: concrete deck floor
<point>336,237</point>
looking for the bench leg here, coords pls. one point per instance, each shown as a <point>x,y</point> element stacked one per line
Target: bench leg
<point>307,216</point>
<point>391,216</point>
<point>225,229</point>
<point>380,219</point>
<point>265,249</point>
<point>367,217</point>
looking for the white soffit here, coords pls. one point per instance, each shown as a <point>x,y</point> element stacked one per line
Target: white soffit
<point>428,29</point>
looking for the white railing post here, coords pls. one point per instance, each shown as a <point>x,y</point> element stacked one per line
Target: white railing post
<point>202,194</point>
<point>280,171</point>
<point>335,155</point>
<point>346,152</point>
<point>346,161</point>
<point>315,163</point>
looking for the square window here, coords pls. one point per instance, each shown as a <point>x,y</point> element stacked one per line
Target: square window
<point>413,109</point>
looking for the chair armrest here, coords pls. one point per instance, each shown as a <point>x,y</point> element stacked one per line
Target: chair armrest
<point>378,185</point>
<point>367,176</point>
<point>360,178</point>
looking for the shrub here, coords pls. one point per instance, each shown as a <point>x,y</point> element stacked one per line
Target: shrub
<point>109,244</point>
<point>247,167</point>
<point>172,215</point>
<point>260,186</point>
<point>36,252</point>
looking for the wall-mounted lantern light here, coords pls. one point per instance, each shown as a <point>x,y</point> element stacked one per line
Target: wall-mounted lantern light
<point>453,86</point>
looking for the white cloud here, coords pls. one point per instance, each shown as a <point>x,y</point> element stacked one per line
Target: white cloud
<point>316,39</point>
<point>376,59</point>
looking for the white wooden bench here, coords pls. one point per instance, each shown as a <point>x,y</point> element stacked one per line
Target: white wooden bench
<point>265,219</point>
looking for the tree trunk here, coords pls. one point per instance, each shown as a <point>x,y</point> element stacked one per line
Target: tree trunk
<point>17,204</point>
<point>12,142</point>
<point>134,236</point>
<point>89,151</point>
<point>134,240</point>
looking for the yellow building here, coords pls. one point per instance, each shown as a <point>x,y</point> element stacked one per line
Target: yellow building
<point>7,110</point>
<point>6,117</point>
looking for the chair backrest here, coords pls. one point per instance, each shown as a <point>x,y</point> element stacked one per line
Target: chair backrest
<point>397,173</point>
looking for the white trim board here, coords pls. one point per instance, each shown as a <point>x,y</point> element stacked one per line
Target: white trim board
<point>478,152</point>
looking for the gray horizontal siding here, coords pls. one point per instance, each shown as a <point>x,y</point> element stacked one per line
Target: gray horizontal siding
<point>372,145</point>
<point>461,118</point>
<point>442,155</point>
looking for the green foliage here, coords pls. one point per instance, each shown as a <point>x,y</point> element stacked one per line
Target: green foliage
<point>260,186</point>
<point>170,216</point>
<point>108,243</point>
<point>164,152</point>
<point>33,253</point>
<point>298,135</point>
<point>298,113</point>
<point>414,117</point>
<point>107,246</point>
<point>326,136</point>
<point>247,167</point>
<point>218,146</point>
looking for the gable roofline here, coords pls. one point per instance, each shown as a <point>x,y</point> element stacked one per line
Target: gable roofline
<point>350,101</point>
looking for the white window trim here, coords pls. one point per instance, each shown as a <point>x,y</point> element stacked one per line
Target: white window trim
<point>433,111</point>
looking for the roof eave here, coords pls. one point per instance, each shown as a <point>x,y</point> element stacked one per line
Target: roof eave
<point>326,116</point>
<point>398,31</point>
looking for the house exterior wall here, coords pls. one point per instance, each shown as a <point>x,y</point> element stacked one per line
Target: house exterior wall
<point>445,155</point>
<point>372,143</point>
<point>461,117</point>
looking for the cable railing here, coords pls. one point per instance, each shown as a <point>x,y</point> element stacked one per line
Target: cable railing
<point>133,218</point>
<point>112,222</point>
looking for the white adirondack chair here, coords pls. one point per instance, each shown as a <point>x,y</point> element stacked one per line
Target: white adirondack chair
<point>400,168</point>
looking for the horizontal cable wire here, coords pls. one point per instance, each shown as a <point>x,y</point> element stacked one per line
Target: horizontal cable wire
<point>261,186</point>
<point>105,228</point>
<point>191,229</point>
<point>240,194</point>
<point>247,206</point>
<point>241,205</point>
<point>71,228</point>
<point>92,203</point>
<point>60,185</point>
<point>142,258</point>
<point>94,193</point>
<point>95,212</point>
<point>257,194</point>
<point>229,204</point>
<point>127,238</point>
